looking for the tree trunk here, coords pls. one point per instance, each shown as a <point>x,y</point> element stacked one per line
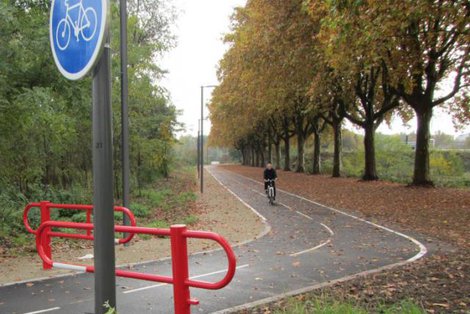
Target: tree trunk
<point>270,150</point>
<point>316,153</point>
<point>287,153</point>
<point>262,160</point>
<point>252,153</point>
<point>278,155</point>
<point>421,176</point>
<point>338,148</point>
<point>300,152</point>
<point>139,179</point>
<point>370,169</point>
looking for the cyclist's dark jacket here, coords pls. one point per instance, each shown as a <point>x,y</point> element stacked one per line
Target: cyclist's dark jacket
<point>270,174</point>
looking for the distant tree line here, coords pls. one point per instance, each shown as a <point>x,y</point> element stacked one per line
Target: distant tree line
<point>296,68</point>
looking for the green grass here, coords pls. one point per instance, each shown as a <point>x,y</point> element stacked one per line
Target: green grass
<point>157,198</point>
<point>154,224</point>
<point>158,224</point>
<point>405,306</point>
<point>140,210</point>
<point>190,220</point>
<point>327,306</point>
<point>184,197</point>
<point>447,168</point>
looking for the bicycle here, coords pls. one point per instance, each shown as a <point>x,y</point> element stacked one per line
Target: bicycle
<point>270,191</point>
<point>86,25</point>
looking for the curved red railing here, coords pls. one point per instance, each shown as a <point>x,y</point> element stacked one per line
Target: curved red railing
<point>179,255</point>
<point>45,208</point>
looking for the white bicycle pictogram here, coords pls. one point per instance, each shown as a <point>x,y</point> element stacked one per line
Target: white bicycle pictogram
<point>85,25</point>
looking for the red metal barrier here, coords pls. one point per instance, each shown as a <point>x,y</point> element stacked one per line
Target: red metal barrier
<point>179,255</point>
<point>45,208</point>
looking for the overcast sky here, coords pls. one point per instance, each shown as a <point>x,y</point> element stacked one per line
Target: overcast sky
<point>199,29</point>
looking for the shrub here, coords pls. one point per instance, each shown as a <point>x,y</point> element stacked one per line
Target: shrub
<point>79,216</point>
<point>445,163</point>
<point>156,198</point>
<point>118,216</point>
<point>139,210</point>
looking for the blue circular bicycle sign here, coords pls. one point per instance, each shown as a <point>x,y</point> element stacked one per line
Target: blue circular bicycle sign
<point>76,31</point>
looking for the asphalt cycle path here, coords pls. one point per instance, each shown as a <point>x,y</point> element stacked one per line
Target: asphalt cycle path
<point>305,245</point>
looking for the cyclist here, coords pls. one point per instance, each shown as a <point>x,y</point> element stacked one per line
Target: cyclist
<point>270,174</point>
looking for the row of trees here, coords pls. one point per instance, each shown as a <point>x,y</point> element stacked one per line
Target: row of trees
<point>298,67</point>
<point>45,120</point>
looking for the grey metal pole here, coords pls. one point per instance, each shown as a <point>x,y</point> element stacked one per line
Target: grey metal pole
<point>198,152</point>
<point>103,202</point>
<point>124,114</point>
<point>202,139</point>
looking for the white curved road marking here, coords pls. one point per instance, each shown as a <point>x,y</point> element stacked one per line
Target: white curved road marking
<point>311,249</point>
<point>44,311</point>
<point>422,249</point>
<point>421,253</point>
<point>194,277</point>
<point>238,198</point>
<point>327,228</point>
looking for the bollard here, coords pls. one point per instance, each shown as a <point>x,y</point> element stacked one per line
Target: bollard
<point>179,263</point>
<point>46,241</point>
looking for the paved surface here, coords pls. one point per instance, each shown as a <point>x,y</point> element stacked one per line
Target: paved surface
<point>307,244</point>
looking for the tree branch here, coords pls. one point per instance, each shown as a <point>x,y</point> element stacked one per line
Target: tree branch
<point>457,81</point>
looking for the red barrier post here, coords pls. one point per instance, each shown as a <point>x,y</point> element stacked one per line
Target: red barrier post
<point>88,220</point>
<point>180,266</point>
<point>46,240</point>
<point>179,261</point>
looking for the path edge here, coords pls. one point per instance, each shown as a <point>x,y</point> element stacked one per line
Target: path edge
<point>422,252</point>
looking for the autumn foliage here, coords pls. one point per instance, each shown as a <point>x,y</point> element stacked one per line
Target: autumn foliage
<point>298,67</point>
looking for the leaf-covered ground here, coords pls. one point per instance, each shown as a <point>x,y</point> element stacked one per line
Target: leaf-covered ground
<point>440,283</point>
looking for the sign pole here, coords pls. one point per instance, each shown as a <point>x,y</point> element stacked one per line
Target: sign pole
<point>77,53</point>
<point>198,150</point>
<point>202,139</point>
<point>103,202</point>
<point>124,114</point>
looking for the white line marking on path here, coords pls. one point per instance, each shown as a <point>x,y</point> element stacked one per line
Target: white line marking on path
<point>44,311</point>
<point>286,206</point>
<point>422,249</point>
<point>298,212</point>
<point>328,228</point>
<point>311,249</point>
<point>145,288</point>
<point>421,253</point>
<point>238,198</point>
<point>306,216</point>
<point>194,277</point>
<point>318,246</point>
